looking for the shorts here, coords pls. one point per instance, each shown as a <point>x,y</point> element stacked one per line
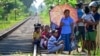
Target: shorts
<point>56,48</point>
<point>91,36</point>
<point>37,42</point>
<point>81,33</point>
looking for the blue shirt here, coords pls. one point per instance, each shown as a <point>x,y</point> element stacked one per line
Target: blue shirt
<point>80,13</point>
<point>66,28</point>
<point>51,42</point>
<point>96,17</point>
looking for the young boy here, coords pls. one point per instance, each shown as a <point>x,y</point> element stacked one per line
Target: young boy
<point>53,44</point>
<point>36,36</point>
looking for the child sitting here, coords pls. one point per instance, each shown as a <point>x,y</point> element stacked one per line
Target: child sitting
<point>44,37</point>
<point>53,44</point>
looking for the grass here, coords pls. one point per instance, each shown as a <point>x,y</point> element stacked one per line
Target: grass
<point>20,54</point>
<point>45,18</point>
<point>92,52</point>
<point>7,24</point>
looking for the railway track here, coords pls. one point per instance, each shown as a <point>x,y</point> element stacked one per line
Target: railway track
<point>19,38</point>
<point>5,34</point>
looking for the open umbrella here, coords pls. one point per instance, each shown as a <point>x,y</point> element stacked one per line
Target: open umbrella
<point>56,13</point>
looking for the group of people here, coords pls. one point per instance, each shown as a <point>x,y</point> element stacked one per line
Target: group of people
<point>84,28</point>
<point>88,19</point>
<point>46,38</point>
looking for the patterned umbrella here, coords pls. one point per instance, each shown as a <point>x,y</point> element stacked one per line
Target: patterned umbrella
<point>56,13</point>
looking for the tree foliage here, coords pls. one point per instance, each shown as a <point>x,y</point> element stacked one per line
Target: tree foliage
<point>7,6</point>
<point>56,2</point>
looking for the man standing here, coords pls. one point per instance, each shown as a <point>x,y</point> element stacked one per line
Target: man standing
<point>94,9</point>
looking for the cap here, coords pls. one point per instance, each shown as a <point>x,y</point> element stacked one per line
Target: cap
<point>93,3</point>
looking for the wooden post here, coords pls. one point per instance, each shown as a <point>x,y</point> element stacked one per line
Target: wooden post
<point>15,9</point>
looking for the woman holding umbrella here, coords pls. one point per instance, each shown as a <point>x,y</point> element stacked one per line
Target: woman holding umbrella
<point>67,30</point>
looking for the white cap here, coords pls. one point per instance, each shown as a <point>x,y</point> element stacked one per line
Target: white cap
<point>93,3</point>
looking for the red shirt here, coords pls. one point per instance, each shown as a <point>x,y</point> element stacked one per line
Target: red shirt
<point>45,34</point>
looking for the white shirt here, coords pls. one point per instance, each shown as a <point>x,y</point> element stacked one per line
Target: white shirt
<point>80,14</point>
<point>88,17</point>
<point>80,24</point>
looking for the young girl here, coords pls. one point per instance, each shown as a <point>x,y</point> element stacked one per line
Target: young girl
<point>45,36</point>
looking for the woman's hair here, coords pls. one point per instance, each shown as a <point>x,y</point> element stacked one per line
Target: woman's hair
<point>46,26</point>
<point>87,10</point>
<point>67,10</point>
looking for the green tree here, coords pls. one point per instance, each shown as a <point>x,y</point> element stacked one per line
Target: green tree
<point>6,6</point>
<point>56,2</point>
